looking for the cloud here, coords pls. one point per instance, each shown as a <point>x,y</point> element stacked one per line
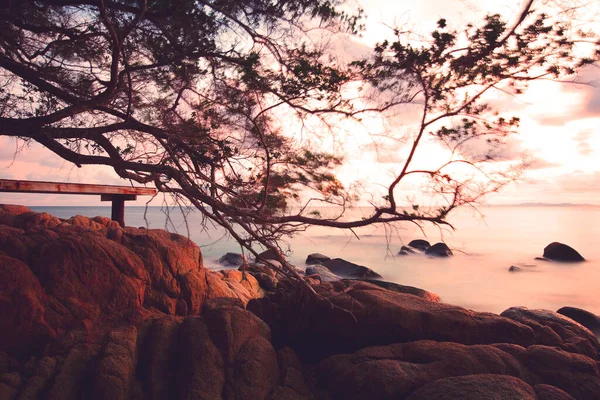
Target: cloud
<point>540,163</point>
<point>582,141</point>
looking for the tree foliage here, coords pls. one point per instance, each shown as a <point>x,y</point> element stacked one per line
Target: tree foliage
<point>206,99</point>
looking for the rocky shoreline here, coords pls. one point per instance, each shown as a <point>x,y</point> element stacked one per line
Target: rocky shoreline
<point>90,310</point>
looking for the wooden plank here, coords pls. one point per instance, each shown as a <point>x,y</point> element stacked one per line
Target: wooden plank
<point>9,185</point>
<point>111,197</point>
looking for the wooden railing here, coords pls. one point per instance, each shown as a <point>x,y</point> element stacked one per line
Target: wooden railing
<point>117,194</point>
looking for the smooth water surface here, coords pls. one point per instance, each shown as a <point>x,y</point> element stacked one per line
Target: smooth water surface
<point>475,277</point>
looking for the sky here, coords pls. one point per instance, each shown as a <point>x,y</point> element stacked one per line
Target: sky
<point>560,126</point>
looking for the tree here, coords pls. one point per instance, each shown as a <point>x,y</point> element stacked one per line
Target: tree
<point>197,96</point>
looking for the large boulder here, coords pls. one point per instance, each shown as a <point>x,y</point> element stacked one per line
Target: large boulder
<point>349,315</point>
<point>585,318</point>
<point>225,353</point>
<point>552,329</point>
<point>561,252</point>
<point>316,258</point>
<point>347,269</point>
<point>444,370</point>
<point>419,244</point>
<point>439,250</point>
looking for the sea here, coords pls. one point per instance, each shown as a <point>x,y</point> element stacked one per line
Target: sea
<point>486,242</point>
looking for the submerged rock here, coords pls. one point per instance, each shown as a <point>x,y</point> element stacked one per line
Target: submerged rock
<point>347,269</point>
<point>419,244</point>
<point>316,258</point>
<point>323,272</point>
<point>232,260</point>
<point>439,250</point>
<point>405,250</point>
<point>561,252</point>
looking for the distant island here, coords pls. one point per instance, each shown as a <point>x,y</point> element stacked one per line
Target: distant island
<point>544,205</point>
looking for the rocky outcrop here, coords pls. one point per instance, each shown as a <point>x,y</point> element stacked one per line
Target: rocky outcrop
<point>316,258</point>
<point>585,318</point>
<point>225,353</point>
<point>347,269</point>
<point>57,275</point>
<point>434,370</point>
<point>561,252</point>
<point>354,314</point>
<point>95,311</point>
<point>439,250</point>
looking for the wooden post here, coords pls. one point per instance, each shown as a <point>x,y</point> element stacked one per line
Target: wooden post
<point>117,212</point>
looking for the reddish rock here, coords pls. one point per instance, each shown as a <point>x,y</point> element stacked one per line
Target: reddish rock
<point>576,374</point>
<point>553,329</point>
<point>547,392</point>
<point>354,314</point>
<point>23,327</point>
<point>397,370</point>
<point>476,387</point>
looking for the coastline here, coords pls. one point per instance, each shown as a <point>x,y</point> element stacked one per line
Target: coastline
<point>135,312</point>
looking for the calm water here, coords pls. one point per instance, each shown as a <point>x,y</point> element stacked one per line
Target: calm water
<point>476,277</point>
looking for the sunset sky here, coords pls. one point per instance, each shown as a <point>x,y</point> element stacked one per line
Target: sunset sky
<point>560,125</point>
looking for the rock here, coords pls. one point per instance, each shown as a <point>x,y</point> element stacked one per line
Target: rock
<point>419,244</point>
<point>405,250</point>
<point>267,255</point>
<point>541,259</point>
<point>267,282</point>
<point>354,314</point>
<point>58,277</point>
<point>232,260</point>
<point>316,258</point>
<point>514,269</point>
<point>552,329</point>
<point>548,392</point>
<point>405,289</point>
<point>575,374</point>
<point>323,272</point>
<point>397,370</point>
<point>585,318</point>
<point>349,270</point>
<point>561,252</point>
<point>115,372</point>
<point>439,250</point>
<point>476,387</point>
